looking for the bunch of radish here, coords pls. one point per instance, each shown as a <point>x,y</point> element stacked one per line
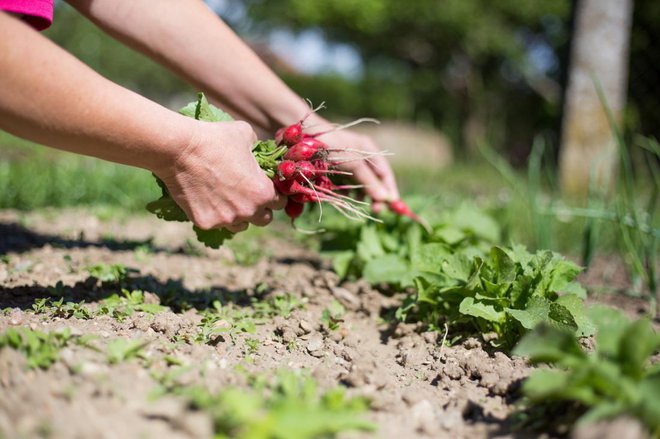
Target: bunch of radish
<point>306,171</point>
<point>301,166</point>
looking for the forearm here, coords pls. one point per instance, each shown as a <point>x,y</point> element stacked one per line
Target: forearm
<point>49,97</point>
<point>191,40</point>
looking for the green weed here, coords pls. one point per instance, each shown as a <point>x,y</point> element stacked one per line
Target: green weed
<point>333,315</point>
<point>288,405</point>
<point>120,350</point>
<point>41,349</point>
<point>108,272</point>
<point>125,305</point>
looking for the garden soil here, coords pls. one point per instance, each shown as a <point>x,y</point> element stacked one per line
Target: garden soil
<point>418,386</point>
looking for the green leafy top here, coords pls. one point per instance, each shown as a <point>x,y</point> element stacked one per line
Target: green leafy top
<point>387,252</point>
<point>201,109</point>
<point>507,291</point>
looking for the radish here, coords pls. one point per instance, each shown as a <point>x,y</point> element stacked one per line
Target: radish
<point>289,135</point>
<point>321,165</point>
<point>301,151</point>
<point>302,171</point>
<point>305,171</point>
<point>284,186</point>
<point>286,170</point>
<point>324,182</point>
<point>401,208</point>
<point>293,134</point>
<point>302,198</point>
<point>293,209</point>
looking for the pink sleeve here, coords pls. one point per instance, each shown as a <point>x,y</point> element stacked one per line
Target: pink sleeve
<point>39,13</point>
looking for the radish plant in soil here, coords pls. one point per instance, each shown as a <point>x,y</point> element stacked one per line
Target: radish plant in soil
<point>456,274</point>
<point>301,167</point>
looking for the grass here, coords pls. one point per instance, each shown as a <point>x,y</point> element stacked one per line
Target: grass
<point>32,177</point>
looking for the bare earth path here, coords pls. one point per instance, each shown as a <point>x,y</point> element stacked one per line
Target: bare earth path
<point>418,387</point>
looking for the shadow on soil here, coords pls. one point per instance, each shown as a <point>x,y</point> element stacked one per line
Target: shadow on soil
<point>17,238</point>
<point>171,293</point>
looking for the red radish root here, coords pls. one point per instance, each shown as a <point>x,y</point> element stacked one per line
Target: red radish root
<point>401,208</point>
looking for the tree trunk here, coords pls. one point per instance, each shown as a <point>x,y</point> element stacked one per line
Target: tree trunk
<point>599,52</point>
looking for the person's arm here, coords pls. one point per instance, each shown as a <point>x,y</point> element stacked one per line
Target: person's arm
<point>192,41</point>
<point>50,97</point>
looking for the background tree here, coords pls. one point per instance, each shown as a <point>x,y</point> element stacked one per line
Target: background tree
<point>599,55</point>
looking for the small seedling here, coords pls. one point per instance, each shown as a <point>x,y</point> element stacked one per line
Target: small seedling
<point>69,263</point>
<point>108,272</point>
<point>281,305</point>
<point>121,307</point>
<point>143,251</point>
<point>41,305</point>
<point>332,316</point>
<point>41,349</point>
<point>253,345</point>
<point>121,350</point>
<point>286,405</point>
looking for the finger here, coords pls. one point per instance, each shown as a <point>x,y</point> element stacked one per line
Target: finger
<point>238,227</point>
<point>278,202</point>
<point>377,206</point>
<point>262,218</point>
<point>372,184</point>
<point>247,128</point>
<point>382,169</point>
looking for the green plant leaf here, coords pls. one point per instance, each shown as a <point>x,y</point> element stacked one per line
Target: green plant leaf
<point>202,110</point>
<point>387,268</point>
<point>559,315</point>
<point>503,265</point>
<point>475,220</point>
<point>544,383</point>
<point>166,209</point>
<point>477,309</point>
<point>341,262</point>
<point>459,267</point>
<point>537,311</point>
<point>649,407</point>
<point>611,324</point>
<point>548,344</point>
<point>213,238</point>
<point>450,235</point>
<point>562,275</point>
<point>575,305</point>
<point>369,246</point>
<point>637,343</point>
<point>429,257</point>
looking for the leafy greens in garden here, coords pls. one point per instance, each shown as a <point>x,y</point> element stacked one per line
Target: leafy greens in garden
<point>614,379</point>
<point>456,275</point>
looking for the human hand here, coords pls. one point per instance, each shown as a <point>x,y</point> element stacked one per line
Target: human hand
<point>216,180</point>
<point>375,173</point>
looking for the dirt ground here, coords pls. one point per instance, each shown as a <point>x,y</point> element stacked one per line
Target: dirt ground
<point>418,386</point>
